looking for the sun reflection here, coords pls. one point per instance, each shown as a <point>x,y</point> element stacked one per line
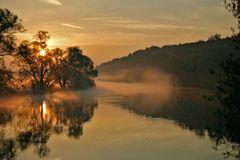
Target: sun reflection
<point>44,108</point>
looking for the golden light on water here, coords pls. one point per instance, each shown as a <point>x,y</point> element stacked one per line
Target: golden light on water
<point>46,113</point>
<point>42,52</point>
<point>44,108</point>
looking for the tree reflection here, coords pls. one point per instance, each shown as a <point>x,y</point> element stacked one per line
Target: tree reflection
<point>186,108</point>
<point>190,111</point>
<point>7,148</point>
<point>227,138</point>
<point>44,116</point>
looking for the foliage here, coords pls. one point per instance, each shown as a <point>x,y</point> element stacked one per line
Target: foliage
<point>36,66</point>
<point>10,24</point>
<point>68,68</point>
<point>34,70</point>
<point>79,68</point>
<point>215,37</point>
<point>233,6</point>
<point>5,78</point>
<point>188,63</point>
<point>227,94</point>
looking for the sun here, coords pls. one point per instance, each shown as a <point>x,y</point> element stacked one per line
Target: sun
<point>43,53</point>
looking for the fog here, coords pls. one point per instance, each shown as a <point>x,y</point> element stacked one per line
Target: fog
<point>53,97</point>
<point>150,81</point>
<point>156,92</point>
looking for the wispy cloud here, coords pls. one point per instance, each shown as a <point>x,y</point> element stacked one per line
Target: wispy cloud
<point>156,26</point>
<point>110,19</point>
<point>126,23</point>
<point>53,2</point>
<point>71,26</point>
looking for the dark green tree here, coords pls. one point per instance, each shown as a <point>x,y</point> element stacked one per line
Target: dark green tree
<point>77,69</point>
<point>227,94</point>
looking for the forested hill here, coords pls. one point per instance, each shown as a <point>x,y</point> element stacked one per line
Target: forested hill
<point>189,63</point>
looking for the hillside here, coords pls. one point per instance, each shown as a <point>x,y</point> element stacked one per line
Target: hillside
<point>188,63</point>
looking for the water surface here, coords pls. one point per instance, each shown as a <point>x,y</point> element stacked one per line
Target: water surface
<point>104,125</point>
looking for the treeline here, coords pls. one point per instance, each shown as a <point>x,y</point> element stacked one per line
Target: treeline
<point>34,66</point>
<point>189,63</point>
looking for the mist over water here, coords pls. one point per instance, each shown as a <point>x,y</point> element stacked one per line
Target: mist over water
<point>145,116</point>
<point>154,90</point>
<point>149,82</point>
<point>130,113</point>
<point>158,95</point>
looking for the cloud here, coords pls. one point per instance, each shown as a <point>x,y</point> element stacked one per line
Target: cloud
<point>126,23</point>
<point>156,26</point>
<point>111,19</point>
<point>53,2</point>
<point>71,26</point>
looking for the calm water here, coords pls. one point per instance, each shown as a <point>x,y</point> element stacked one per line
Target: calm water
<point>103,125</point>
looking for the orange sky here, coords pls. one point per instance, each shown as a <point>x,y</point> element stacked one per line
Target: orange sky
<point>107,29</point>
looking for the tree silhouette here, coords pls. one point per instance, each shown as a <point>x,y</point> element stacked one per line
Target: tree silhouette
<point>68,68</point>
<point>36,66</point>
<point>233,7</point>
<point>227,94</point>
<point>79,69</point>
<point>9,25</point>
<point>5,77</point>
<point>215,37</point>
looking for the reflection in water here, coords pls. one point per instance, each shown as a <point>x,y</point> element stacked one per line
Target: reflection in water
<point>189,110</point>
<point>227,138</point>
<point>31,121</point>
<point>44,109</point>
<point>33,124</point>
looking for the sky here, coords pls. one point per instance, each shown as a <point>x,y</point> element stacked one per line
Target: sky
<point>107,29</point>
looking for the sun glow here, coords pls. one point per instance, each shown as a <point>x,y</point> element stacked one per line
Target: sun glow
<point>53,42</point>
<point>42,52</point>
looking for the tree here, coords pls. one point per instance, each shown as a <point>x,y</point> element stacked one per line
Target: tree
<point>228,90</point>
<point>77,69</point>
<point>39,67</point>
<point>35,69</point>
<point>10,24</point>
<point>227,94</point>
<point>68,68</point>
<point>5,78</point>
<point>214,37</point>
<point>233,6</point>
